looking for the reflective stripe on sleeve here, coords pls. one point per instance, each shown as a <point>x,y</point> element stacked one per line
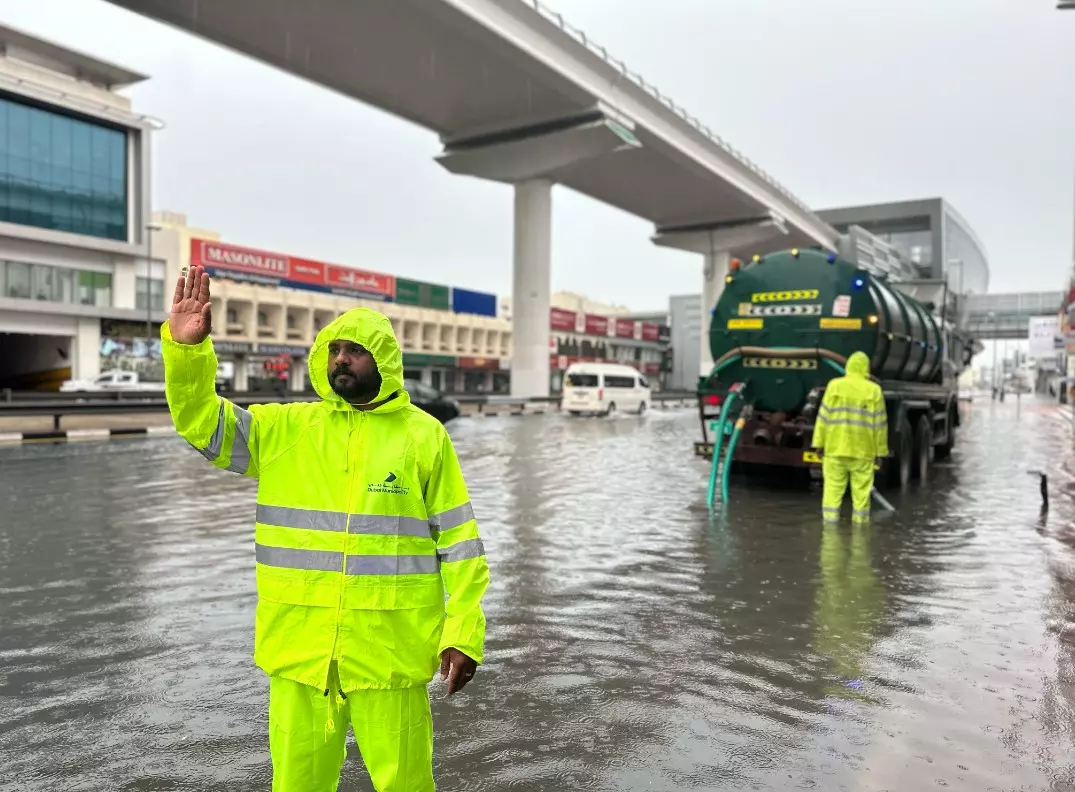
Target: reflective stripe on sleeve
<point>332,561</point>
<point>240,445</point>
<point>216,442</point>
<point>319,520</point>
<point>461,551</point>
<point>453,518</point>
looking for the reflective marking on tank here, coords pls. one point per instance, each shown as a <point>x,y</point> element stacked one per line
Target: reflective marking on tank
<point>779,363</point>
<point>746,324</point>
<point>829,323</point>
<point>784,296</point>
<point>800,309</point>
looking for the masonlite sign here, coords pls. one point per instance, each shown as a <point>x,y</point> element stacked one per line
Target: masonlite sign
<point>276,269</point>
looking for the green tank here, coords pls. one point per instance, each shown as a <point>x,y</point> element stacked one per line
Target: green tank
<point>787,323</point>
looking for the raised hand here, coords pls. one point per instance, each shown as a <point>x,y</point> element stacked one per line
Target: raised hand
<point>191,318</point>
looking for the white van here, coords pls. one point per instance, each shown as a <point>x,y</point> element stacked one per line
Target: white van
<point>604,388</point>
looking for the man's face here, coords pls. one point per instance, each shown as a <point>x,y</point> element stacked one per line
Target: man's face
<point>352,372</point>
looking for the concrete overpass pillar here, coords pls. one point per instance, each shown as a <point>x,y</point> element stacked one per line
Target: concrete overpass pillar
<point>531,289</point>
<point>713,275</point>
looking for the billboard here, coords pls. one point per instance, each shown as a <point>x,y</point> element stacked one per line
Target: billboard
<point>559,319</point>
<point>422,294</point>
<point>465,301</point>
<point>1042,335</point>
<point>277,269</point>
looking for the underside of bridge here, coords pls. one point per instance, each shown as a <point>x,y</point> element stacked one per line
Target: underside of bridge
<point>518,97</point>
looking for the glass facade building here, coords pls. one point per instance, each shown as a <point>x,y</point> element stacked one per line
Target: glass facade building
<point>62,173</point>
<point>929,233</point>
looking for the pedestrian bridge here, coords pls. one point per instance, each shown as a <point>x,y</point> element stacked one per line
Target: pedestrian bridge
<point>518,96</point>
<point>1007,316</point>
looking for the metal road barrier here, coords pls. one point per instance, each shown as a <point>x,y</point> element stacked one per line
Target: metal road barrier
<point>58,404</point>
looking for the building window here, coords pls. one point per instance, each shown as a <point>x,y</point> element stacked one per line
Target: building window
<point>156,293</point>
<point>62,173</point>
<point>94,288</point>
<point>22,281</point>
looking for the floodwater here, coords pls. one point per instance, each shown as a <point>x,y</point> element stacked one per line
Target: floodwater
<point>634,644</point>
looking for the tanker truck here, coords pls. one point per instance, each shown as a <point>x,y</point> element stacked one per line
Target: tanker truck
<point>786,324</point>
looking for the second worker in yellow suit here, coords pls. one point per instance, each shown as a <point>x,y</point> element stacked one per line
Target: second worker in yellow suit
<point>851,431</point>
<point>370,571</point>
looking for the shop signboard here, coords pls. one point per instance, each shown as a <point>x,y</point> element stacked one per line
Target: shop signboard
<point>420,361</point>
<point>1041,333</point>
<point>422,294</point>
<point>596,325</point>
<point>625,328</point>
<point>481,363</point>
<point>465,301</point>
<point>651,332</point>
<point>283,349</point>
<point>233,347</point>
<point>559,319</point>
<point>276,269</point>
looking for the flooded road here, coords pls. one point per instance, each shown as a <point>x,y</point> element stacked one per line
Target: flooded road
<point>634,644</point>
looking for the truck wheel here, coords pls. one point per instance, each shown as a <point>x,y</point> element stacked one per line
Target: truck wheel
<point>899,471</point>
<point>923,447</point>
<point>944,450</point>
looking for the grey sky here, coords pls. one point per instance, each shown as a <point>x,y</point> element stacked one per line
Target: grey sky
<point>843,101</point>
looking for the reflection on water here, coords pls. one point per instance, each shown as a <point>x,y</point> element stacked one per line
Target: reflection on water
<point>634,643</point>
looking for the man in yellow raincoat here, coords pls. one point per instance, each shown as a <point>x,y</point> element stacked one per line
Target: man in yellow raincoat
<point>363,525</point>
<point>851,432</point>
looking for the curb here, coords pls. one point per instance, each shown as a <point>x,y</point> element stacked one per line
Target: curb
<point>79,435</point>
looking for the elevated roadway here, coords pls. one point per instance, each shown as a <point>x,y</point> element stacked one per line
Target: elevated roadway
<point>1007,316</point>
<point>518,96</point>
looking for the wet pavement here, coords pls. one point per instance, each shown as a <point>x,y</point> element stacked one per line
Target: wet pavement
<point>634,644</point>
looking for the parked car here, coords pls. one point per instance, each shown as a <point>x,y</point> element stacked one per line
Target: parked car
<point>602,388</point>
<point>432,401</point>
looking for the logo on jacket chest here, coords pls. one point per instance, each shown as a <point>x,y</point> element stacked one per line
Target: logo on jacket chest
<point>390,486</point>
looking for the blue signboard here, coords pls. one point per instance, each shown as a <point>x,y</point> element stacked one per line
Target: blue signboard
<point>465,301</point>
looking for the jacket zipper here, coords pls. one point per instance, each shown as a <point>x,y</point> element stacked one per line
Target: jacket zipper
<point>343,564</point>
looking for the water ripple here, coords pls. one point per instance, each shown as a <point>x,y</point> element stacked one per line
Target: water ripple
<point>633,642</point>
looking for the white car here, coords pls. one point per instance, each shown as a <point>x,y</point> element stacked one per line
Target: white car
<point>604,388</point>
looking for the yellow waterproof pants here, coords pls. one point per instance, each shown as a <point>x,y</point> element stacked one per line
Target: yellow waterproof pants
<point>308,733</point>
<point>836,472</point>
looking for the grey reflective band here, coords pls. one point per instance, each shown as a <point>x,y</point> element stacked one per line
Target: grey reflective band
<point>461,551</point>
<point>287,558</point>
<point>854,410</point>
<point>320,520</point>
<point>821,419</point>
<point>216,442</point>
<point>240,445</point>
<point>392,565</point>
<point>332,561</point>
<point>452,518</point>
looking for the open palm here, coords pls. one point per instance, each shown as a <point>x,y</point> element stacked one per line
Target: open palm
<point>191,318</point>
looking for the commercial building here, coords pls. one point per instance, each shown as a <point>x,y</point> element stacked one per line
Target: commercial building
<point>583,330</point>
<point>268,308</point>
<point>685,320</point>
<point>930,233</point>
<point>75,274</point>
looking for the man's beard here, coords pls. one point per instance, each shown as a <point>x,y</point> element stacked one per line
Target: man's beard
<point>365,386</point>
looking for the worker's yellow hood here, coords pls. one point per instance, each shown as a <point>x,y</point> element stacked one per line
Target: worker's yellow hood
<point>373,331</point>
<point>858,365</point>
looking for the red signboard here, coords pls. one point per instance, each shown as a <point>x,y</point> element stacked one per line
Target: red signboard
<point>559,319</point>
<point>651,332</point>
<point>205,253</point>
<point>653,368</point>
<point>484,364</point>
<point>355,280</point>
<point>596,325</point>
<point>625,328</point>
<point>260,266</point>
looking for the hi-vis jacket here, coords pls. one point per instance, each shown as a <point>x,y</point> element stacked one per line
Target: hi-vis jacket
<point>851,421</point>
<point>363,519</point>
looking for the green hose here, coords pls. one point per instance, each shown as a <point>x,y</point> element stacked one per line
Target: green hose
<point>717,443</point>
<point>727,472</point>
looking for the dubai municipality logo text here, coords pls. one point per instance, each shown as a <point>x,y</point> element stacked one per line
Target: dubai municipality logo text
<point>390,486</point>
